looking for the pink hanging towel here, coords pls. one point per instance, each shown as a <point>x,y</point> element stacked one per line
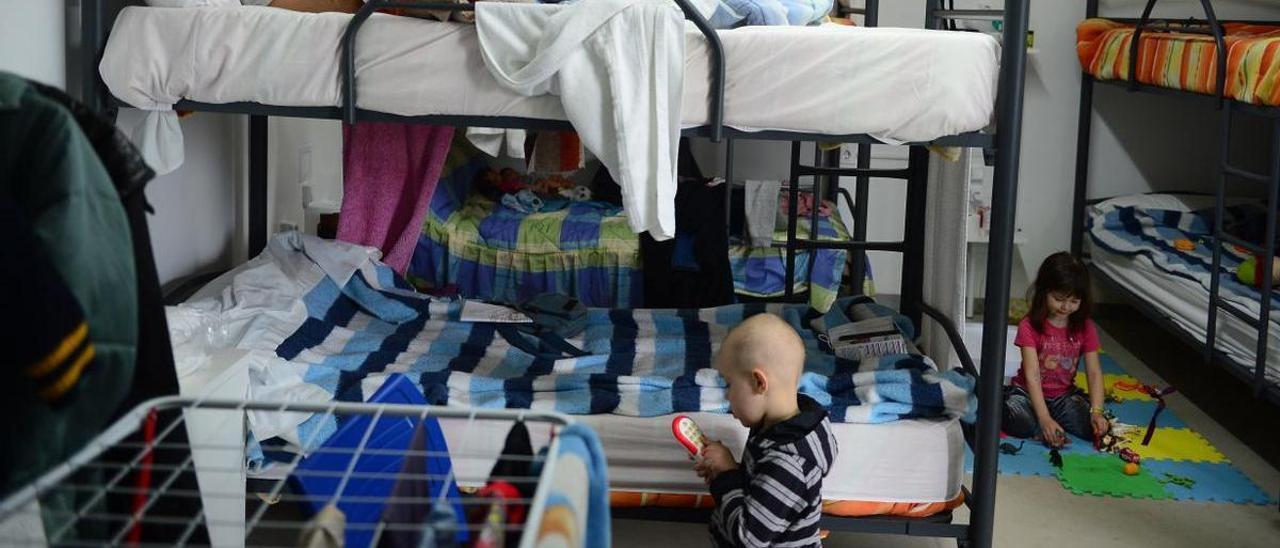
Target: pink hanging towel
<point>390,171</point>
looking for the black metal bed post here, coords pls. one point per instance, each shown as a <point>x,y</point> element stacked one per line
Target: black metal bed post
<point>1084,134</point>
<point>716,107</point>
<point>258,153</point>
<point>728,187</point>
<point>1224,147</point>
<point>818,195</point>
<point>1264,266</point>
<point>793,192</point>
<point>862,183</point>
<point>91,44</point>
<point>913,235</point>
<point>999,262</point>
<point>861,194</point>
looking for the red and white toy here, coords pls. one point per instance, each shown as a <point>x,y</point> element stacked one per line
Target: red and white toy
<point>688,434</point>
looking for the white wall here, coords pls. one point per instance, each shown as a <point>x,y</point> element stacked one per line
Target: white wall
<point>304,153</point>
<point>193,229</point>
<point>32,40</point>
<point>1145,142</point>
<point>196,225</point>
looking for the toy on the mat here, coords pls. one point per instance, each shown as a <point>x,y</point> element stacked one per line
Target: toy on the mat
<point>1110,396</point>
<point>1007,448</point>
<point>1055,458</point>
<point>688,434</point>
<point>1131,468</point>
<point>1184,245</point>
<point>1156,393</point>
<point>1130,456</point>
<point>1249,274</point>
<point>1106,442</point>
<point>1180,481</point>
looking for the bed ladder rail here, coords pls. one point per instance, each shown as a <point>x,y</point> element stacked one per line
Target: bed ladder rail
<point>1264,252</point>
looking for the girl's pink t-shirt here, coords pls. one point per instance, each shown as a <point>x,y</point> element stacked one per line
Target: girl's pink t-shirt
<point>1059,351</point>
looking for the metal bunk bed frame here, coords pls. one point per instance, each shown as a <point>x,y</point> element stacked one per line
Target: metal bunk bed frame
<point>95,20</point>
<point>1254,374</point>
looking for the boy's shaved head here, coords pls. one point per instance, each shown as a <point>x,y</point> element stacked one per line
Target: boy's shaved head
<point>766,342</point>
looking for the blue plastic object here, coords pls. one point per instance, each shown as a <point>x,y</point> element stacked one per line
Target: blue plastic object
<point>320,475</point>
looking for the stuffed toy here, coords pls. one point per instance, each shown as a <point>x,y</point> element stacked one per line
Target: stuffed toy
<point>1248,272</point>
<point>506,181</point>
<point>551,185</point>
<point>524,201</point>
<point>577,194</point>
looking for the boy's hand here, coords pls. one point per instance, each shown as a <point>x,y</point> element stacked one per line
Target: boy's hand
<point>1052,433</point>
<point>1100,424</point>
<point>714,459</point>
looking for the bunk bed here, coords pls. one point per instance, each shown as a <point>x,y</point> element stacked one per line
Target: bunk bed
<point>1192,292</point>
<point>711,110</point>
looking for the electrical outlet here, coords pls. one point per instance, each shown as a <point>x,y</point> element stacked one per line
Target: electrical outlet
<point>288,226</point>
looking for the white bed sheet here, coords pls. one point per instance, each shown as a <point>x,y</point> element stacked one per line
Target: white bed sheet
<point>895,84</point>
<point>918,461</point>
<point>1184,301</point>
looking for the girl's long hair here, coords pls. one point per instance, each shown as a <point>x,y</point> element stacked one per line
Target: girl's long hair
<point>1064,274</point>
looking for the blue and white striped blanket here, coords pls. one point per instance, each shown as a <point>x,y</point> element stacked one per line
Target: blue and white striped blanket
<point>1136,230</point>
<point>641,362</point>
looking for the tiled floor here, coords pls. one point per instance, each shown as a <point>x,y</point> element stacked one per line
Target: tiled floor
<point>1033,511</point>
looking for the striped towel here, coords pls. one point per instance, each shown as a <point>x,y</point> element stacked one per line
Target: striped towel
<point>577,511</point>
<point>1131,230</point>
<point>1187,61</point>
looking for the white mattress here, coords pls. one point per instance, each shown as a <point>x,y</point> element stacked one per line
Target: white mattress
<point>1184,301</point>
<point>896,84</point>
<point>918,461</point>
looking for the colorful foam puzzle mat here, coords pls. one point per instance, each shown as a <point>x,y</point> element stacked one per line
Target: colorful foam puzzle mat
<point>1175,454</point>
<point>1103,475</point>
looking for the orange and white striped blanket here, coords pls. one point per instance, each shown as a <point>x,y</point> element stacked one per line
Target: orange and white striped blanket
<point>1187,62</point>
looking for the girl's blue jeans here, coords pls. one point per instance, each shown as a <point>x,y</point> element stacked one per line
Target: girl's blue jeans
<point>1070,410</point>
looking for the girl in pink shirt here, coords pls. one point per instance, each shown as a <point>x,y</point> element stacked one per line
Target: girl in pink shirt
<point>1043,400</point>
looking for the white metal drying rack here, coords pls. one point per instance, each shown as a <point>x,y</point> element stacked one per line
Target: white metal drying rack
<point>118,456</point>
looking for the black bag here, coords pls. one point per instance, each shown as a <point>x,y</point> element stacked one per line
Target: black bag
<point>555,318</point>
